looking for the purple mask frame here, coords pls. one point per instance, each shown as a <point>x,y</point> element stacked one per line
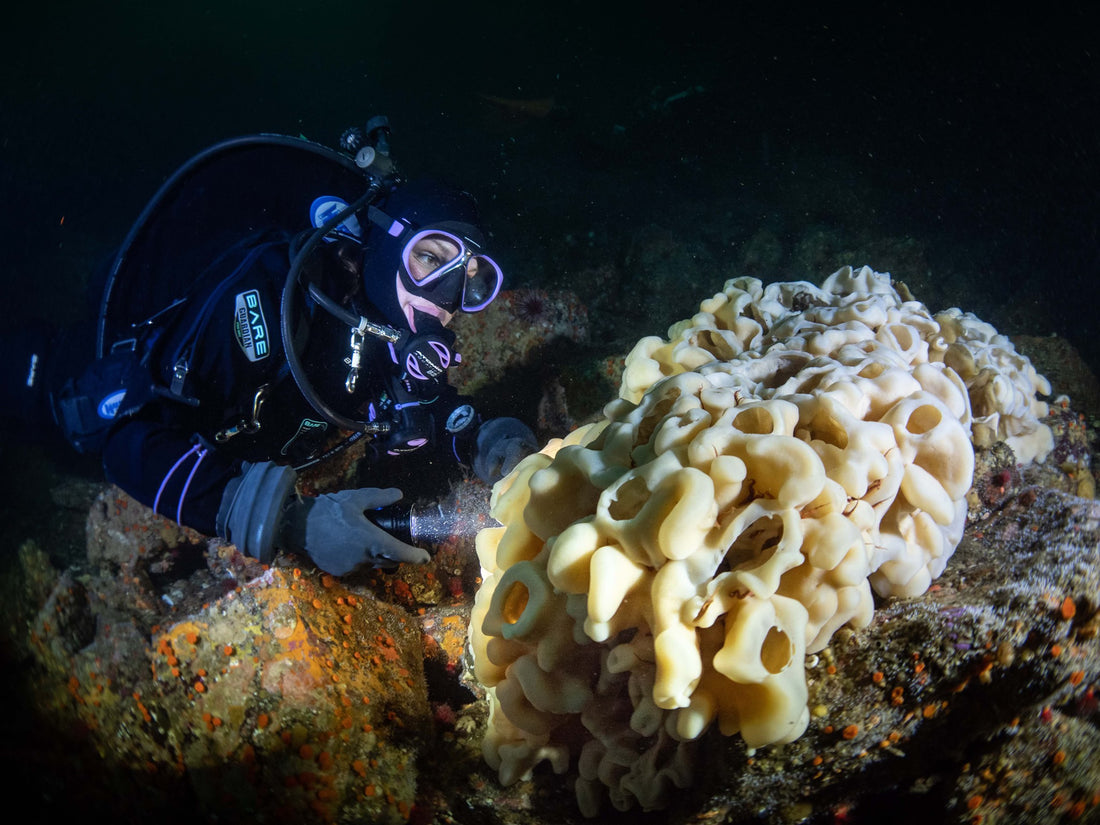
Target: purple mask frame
<point>486,266</point>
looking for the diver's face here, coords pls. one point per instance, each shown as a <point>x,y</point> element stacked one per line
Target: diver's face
<point>429,253</point>
<point>448,268</point>
<point>410,304</point>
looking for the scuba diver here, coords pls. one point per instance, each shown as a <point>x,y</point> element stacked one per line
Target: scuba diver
<point>275,302</point>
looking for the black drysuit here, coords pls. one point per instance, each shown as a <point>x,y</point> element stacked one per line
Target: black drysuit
<point>224,350</point>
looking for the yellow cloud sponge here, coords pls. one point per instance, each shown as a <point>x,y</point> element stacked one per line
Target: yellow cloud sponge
<point>783,452</point>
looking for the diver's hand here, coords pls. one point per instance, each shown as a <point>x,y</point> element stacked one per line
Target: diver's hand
<point>501,444</point>
<point>333,530</point>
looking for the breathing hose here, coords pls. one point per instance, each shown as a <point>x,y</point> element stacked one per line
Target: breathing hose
<point>356,323</point>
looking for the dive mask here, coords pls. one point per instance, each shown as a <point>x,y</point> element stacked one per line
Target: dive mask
<point>443,263</point>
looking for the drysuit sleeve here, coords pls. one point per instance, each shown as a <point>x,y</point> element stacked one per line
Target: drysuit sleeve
<point>167,469</point>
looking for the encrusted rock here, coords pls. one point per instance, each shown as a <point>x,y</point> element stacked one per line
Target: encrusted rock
<point>512,332</point>
<point>976,698</point>
<point>290,694</point>
<point>166,677</point>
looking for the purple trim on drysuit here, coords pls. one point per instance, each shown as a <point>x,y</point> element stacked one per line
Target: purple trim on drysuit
<point>195,448</point>
<point>145,458</point>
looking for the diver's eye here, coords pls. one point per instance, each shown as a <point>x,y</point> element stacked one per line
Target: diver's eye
<point>427,260</point>
<point>430,252</point>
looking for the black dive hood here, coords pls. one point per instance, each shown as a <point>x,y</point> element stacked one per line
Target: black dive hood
<point>424,204</point>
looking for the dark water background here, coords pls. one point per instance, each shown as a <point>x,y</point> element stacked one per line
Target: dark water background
<point>969,136</point>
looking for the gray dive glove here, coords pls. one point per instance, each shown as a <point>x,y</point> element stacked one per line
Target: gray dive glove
<point>331,529</point>
<point>337,535</point>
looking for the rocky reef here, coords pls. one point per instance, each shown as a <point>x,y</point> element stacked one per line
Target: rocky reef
<point>972,703</point>
<point>161,675</point>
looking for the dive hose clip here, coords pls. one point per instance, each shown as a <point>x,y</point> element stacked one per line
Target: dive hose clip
<point>356,360</point>
<point>358,335</point>
<point>247,426</point>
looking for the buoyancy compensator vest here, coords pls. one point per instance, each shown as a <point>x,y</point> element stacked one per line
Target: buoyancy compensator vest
<point>201,231</point>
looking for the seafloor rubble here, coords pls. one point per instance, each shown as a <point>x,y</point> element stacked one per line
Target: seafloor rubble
<point>164,675</point>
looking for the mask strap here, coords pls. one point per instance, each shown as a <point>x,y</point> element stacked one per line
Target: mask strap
<point>394,227</point>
